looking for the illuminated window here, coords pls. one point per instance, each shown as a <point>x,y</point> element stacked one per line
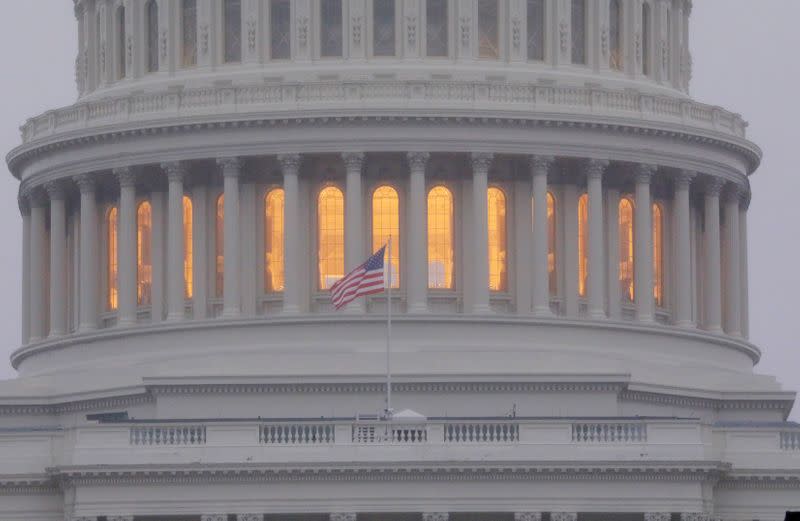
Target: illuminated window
<point>583,243</point>
<point>120,23</point>
<point>189,32</point>
<point>273,241</point>
<point>535,15</point>
<point>498,277</point>
<point>626,259</point>
<point>279,33</point>
<point>330,28</point>
<point>330,215</point>
<point>551,244</point>
<point>151,12</point>
<point>112,292</point>
<point>614,35</point>
<point>436,27</point>
<point>144,259</point>
<point>383,27</point>
<point>219,248</point>
<point>187,248</point>
<point>579,32</point>
<point>488,31</point>
<point>646,39</point>
<point>232,16</point>
<point>440,238</point>
<point>386,223</point>
<point>658,255</point>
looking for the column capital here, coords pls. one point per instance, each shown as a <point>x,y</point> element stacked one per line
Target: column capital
<point>481,161</point>
<point>657,516</point>
<point>231,166</point>
<point>175,170</point>
<point>126,176</point>
<point>249,517</point>
<point>24,203</point>
<point>734,192</point>
<point>596,167</point>
<point>527,516</point>
<point>645,172</point>
<point>713,186</point>
<point>563,516</point>
<point>290,163</point>
<point>37,197</point>
<point>353,160</point>
<point>684,179</point>
<point>540,165</point>
<point>86,183</point>
<point>435,516</point>
<point>417,160</point>
<point>56,190</point>
<point>342,516</point>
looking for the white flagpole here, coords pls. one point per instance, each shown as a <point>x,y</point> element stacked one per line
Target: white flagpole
<point>389,330</point>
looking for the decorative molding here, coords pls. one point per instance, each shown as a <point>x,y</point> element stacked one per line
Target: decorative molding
<point>527,516</point>
<point>230,166</point>
<point>411,30</point>
<point>706,403</point>
<point>302,32</point>
<point>657,516</point>
<point>87,183</point>
<point>175,170</point>
<point>251,35</point>
<point>76,406</point>
<point>563,516</point>
<point>342,516</point>
<point>465,27</point>
<point>516,33</point>
<point>694,516</point>
<point>56,190</point>
<point>417,160</point>
<point>353,160</point>
<point>250,517</point>
<point>204,36</point>
<point>481,161</point>
<point>645,172</point>
<point>435,516</point>
<point>684,179</point>
<point>713,186</point>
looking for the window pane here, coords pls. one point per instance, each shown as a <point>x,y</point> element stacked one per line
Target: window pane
<point>279,30</point>
<point>614,36</point>
<point>583,243</point>
<point>189,25</point>
<point>330,215</point>
<point>440,238</point>
<point>536,30</point>
<point>383,27</point>
<point>385,224</point>
<point>579,32</point>
<point>112,294</point>
<point>658,255</point>
<point>121,65</point>
<point>219,248</point>
<point>188,259</point>
<point>626,259</point>
<point>436,28</point>
<point>488,39</point>
<point>151,12</point>
<point>273,241</point>
<point>144,260</point>
<point>330,27</point>
<point>552,270</point>
<point>233,30</point>
<point>646,39</point>
<point>498,277</point>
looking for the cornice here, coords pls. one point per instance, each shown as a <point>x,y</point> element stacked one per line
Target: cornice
<point>28,485</point>
<point>78,405</point>
<point>761,479</point>
<point>672,399</point>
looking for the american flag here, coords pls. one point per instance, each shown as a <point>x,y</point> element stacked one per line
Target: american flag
<point>364,280</point>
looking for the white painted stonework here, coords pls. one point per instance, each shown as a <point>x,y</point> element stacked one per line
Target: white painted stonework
<point>553,397</point>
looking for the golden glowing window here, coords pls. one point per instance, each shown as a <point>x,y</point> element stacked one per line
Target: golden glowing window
<point>144,259</point>
<point>112,293</point>
<point>273,241</point>
<point>552,272</point>
<point>440,238</point>
<point>330,215</point>
<point>496,204</point>
<point>658,255</point>
<point>626,259</point>
<point>385,224</point>
<point>187,247</point>
<point>583,243</point>
<point>219,248</point>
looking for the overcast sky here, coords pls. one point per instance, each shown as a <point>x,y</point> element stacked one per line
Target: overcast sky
<point>745,59</point>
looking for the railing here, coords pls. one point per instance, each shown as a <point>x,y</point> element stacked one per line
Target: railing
<point>609,432</point>
<point>481,433</point>
<point>393,433</point>
<point>790,440</point>
<point>296,434</point>
<point>168,435</point>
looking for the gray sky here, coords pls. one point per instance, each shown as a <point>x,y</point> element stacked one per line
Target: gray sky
<point>744,60</point>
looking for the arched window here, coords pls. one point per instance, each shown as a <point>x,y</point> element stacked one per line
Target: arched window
<point>552,258</point>
<point>232,19</point>
<point>436,28</point>
<point>498,253</point>
<point>658,255</point>
<point>273,241</point>
<point>151,15</point>
<point>385,224</point>
<point>219,248</point>
<point>188,260</point>
<point>583,243</point>
<point>189,33</point>
<point>440,238</point>
<point>488,29</point>
<point>614,35</point>
<point>330,28</point>
<point>330,215</point>
<point>383,24</point>
<point>535,21</point>
<point>144,259</point>
<point>120,29</point>
<point>112,288</point>
<point>626,259</point>
<point>646,39</point>
<point>578,18</point>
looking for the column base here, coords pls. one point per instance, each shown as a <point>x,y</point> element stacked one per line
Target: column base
<point>646,319</point>
<point>482,309</point>
<point>126,322</point>
<point>543,312</point>
<point>417,309</point>
<point>87,328</point>
<point>597,314</point>
<point>291,309</point>
<point>175,317</point>
<point>230,313</point>
<point>686,324</point>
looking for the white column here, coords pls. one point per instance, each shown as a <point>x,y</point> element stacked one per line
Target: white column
<point>480,232</point>
<point>25,293</point>
<point>290,165</point>
<point>733,292</point>
<point>523,244</point>
<point>37,274</point>
<point>158,292</point>
<point>126,247</point>
<point>231,169</point>
<point>612,232</point>
<point>89,265</point>
<point>744,302</point>
<point>417,236</point>
<point>683,250</point>
<point>597,258</point>
<point>353,220</point>
<point>58,258</point>
<point>570,256</point>
<point>540,165</point>
<point>712,272</point>
<point>200,251</point>
<point>176,172</point>
<point>643,245</point>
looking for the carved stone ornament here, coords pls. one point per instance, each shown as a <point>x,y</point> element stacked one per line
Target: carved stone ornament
<point>290,163</point>
<point>637,44</point>
<point>417,160</point>
<point>250,517</point>
<point>204,39</point>
<point>465,25</point>
<point>527,516</point>
<point>596,167</point>
<point>684,179</point>
<point>481,161</point>
<point>213,517</point>
<point>694,516</point>
<point>563,516</point>
<point>342,516</point>
<point>664,54</point>
<point>411,30</point>
<point>56,190</point>
<point>540,165</point>
<point>516,33</point>
<point>713,186</point>
<point>562,36</point>
<point>129,51</point>
<point>657,516</point>
<point>163,41</point>
<point>251,35</point>
<point>645,172</point>
<point>230,166</point>
<point>302,31</point>
<point>604,40</point>
<point>435,516</point>
<point>126,176</point>
<point>355,22</point>
<point>353,160</point>
<point>175,170</point>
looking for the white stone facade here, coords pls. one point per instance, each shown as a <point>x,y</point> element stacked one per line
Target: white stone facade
<point>554,393</point>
